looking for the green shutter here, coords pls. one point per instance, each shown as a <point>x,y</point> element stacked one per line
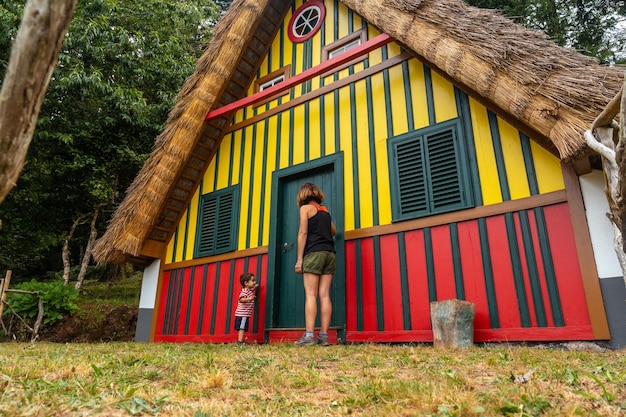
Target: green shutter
<point>428,169</point>
<point>217,223</point>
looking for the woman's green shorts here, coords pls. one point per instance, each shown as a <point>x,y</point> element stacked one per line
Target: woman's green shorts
<point>320,263</point>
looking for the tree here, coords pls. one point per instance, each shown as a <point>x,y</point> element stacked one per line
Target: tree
<point>120,67</point>
<point>590,26</point>
<point>30,67</point>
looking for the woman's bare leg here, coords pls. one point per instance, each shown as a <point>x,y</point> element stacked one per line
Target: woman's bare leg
<point>311,290</point>
<point>326,306</point>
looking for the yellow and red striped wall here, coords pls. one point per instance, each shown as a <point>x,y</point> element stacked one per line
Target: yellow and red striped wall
<point>513,254</point>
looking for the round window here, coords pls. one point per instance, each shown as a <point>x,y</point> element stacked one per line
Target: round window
<point>306,20</point>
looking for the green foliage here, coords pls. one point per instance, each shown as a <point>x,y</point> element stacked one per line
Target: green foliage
<point>593,27</point>
<point>120,67</point>
<point>58,300</point>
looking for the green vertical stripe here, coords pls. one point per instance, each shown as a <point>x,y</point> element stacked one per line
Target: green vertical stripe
<point>456,261</point>
<point>337,120</point>
<point>355,158</point>
<point>378,276</point>
<point>307,131</point>
<point>242,153</point>
<point>358,272</point>
<point>430,265</point>
<point>176,310</point>
<point>291,134</point>
<point>189,300</point>
<point>229,304</point>
<point>167,314</point>
<point>175,237</point>
<point>231,163</point>
<point>263,182</point>
<point>408,95</point>
<point>216,293</point>
<point>372,148</point>
<point>497,149</point>
<point>463,109</point>
<point>531,174</point>
<point>202,299</point>
<point>252,185</point>
<point>516,265</point>
<point>259,270</point>
<point>548,268</point>
<point>492,301</point>
<point>533,273</point>
<point>186,239</point>
<point>388,98</point>
<point>217,164</point>
<point>404,282</point>
<point>430,98</point>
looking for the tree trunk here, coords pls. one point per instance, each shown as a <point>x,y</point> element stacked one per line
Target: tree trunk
<point>93,234</point>
<point>453,323</point>
<point>33,58</point>
<point>65,254</point>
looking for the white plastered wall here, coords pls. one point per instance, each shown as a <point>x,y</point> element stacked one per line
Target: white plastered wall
<point>600,228</point>
<point>149,285</point>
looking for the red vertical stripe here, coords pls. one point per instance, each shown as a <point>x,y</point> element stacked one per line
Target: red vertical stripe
<point>473,272</point>
<point>162,303</point>
<point>182,306</point>
<point>368,278</point>
<point>564,257</point>
<point>418,280</point>
<point>208,299</point>
<point>222,298</point>
<point>443,262</point>
<point>540,268</point>
<point>508,310</point>
<point>525,273</point>
<point>196,294</point>
<point>351,294</point>
<point>392,287</point>
<point>261,294</point>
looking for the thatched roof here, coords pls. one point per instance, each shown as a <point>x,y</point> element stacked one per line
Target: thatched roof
<point>553,92</point>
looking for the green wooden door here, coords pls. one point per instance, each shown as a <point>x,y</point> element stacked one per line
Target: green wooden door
<point>288,291</point>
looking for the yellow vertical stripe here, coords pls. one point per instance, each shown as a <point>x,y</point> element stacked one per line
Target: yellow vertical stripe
<point>270,164</point>
<point>193,224</point>
<point>342,25</point>
<point>345,141</point>
<point>547,169</point>
<point>513,160</point>
<point>180,242</point>
<point>236,136</point>
<point>258,166</point>
<point>329,123</point>
<point>245,189</point>
<point>398,100</point>
<point>283,137</point>
<point>315,150</point>
<point>224,164</point>
<point>485,156</point>
<point>418,93</point>
<point>299,127</point>
<point>443,96</point>
<point>380,138</point>
<point>170,250</point>
<point>209,178</point>
<point>363,154</point>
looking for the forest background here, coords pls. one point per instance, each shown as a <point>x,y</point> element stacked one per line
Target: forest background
<point>120,67</point>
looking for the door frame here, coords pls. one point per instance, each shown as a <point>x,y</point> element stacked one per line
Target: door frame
<point>278,178</point>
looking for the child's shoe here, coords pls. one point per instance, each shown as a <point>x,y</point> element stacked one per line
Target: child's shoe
<point>241,342</point>
<point>306,341</point>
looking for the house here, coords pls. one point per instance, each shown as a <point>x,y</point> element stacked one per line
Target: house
<point>449,144</point>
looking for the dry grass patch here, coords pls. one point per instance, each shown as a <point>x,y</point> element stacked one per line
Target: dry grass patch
<point>121,379</point>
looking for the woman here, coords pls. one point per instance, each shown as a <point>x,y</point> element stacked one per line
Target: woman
<point>316,261</point>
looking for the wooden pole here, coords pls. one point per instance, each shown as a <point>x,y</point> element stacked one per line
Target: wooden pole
<point>3,290</point>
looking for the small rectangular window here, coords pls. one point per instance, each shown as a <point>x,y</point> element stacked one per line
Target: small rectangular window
<point>343,45</point>
<point>270,80</point>
<point>429,172</point>
<point>217,222</point>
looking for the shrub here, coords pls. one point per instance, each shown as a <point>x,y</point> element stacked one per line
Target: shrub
<point>58,300</point>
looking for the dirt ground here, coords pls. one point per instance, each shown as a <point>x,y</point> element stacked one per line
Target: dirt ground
<point>105,324</point>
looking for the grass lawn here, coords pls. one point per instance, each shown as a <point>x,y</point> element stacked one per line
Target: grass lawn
<point>121,379</point>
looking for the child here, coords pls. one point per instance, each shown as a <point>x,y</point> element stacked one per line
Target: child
<point>245,306</point>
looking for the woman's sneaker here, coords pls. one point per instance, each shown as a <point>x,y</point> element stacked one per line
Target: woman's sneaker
<point>322,340</point>
<point>306,341</point>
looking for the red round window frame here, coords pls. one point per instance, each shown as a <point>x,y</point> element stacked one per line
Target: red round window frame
<point>297,39</point>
